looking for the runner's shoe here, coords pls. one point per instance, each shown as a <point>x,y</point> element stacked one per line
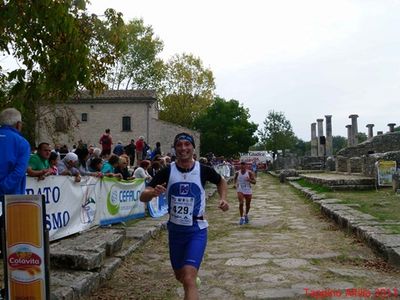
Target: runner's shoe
<point>241,222</point>
<point>246,219</point>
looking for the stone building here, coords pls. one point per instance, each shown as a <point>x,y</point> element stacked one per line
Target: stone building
<point>127,113</point>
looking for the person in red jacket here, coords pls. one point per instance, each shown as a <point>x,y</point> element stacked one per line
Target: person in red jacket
<point>139,150</point>
<point>106,143</point>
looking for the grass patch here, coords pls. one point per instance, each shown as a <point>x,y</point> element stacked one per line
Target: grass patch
<point>382,204</point>
<point>315,187</point>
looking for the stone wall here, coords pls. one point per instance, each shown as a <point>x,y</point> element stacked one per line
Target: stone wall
<point>102,115</point>
<point>311,163</point>
<point>354,165</point>
<point>378,144</point>
<point>341,163</point>
<point>286,162</point>
<point>366,163</point>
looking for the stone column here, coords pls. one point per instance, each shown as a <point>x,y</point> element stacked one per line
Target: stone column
<point>328,132</point>
<point>349,133</point>
<point>314,143</point>
<point>320,133</point>
<point>379,132</point>
<point>391,126</point>
<point>354,129</point>
<point>370,130</point>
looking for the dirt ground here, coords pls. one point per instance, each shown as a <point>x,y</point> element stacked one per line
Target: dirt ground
<point>288,251</point>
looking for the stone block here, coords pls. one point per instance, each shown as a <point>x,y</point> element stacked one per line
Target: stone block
<point>114,242</point>
<point>61,292</point>
<point>128,248</point>
<point>82,283</point>
<point>107,270</point>
<point>77,259</point>
<point>394,256</point>
<point>341,164</point>
<point>355,165</point>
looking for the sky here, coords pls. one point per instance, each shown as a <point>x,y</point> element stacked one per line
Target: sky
<point>306,58</point>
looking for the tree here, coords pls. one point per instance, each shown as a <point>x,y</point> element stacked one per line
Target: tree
<point>187,89</point>
<point>362,137</point>
<point>225,128</point>
<point>301,148</point>
<point>59,49</point>
<point>338,143</point>
<point>277,133</point>
<point>139,67</point>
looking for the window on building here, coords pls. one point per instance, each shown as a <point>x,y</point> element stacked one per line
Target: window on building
<point>61,126</point>
<point>126,123</point>
<point>84,117</point>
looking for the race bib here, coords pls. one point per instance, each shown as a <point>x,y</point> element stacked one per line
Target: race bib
<point>181,212</point>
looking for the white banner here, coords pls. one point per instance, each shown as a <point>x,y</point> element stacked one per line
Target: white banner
<point>73,207</point>
<point>120,200</point>
<point>70,206</point>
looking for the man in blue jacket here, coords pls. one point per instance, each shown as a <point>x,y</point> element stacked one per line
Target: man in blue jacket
<point>14,153</point>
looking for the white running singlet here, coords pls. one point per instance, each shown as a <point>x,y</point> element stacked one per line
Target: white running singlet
<point>243,183</point>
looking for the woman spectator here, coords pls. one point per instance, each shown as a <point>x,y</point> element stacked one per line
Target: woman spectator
<point>109,166</point>
<point>141,171</point>
<point>83,165</point>
<point>96,164</point>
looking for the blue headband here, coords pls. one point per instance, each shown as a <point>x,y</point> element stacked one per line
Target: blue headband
<point>186,137</point>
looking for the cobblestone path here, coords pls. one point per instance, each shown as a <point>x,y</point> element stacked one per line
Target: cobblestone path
<point>288,251</point>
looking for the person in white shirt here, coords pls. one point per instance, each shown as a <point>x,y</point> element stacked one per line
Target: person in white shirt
<point>243,180</point>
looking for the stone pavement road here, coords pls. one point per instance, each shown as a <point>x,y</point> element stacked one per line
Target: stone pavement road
<point>288,251</point>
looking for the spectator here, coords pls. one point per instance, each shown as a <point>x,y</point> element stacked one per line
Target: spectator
<point>146,151</point>
<point>109,166</point>
<point>68,166</point>
<point>119,149</point>
<point>130,151</point>
<point>95,154</point>
<point>15,151</point>
<point>39,163</point>
<point>155,167</point>
<point>141,171</point>
<point>63,151</point>
<point>53,162</point>
<point>139,150</point>
<point>96,164</point>
<point>122,169</point>
<point>83,156</point>
<point>156,151</point>
<point>106,143</point>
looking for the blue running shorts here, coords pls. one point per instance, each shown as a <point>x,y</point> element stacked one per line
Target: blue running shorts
<point>187,248</point>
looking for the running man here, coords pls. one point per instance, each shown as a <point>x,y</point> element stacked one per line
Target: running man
<point>184,182</point>
<point>243,180</point>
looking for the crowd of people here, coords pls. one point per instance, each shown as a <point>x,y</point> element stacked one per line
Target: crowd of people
<point>134,160</point>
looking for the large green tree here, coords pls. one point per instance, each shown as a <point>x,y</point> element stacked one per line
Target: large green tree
<point>277,133</point>
<point>139,67</point>
<point>225,128</point>
<point>187,89</point>
<point>59,48</point>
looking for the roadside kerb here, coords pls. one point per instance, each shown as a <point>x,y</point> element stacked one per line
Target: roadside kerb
<point>364,226</point>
